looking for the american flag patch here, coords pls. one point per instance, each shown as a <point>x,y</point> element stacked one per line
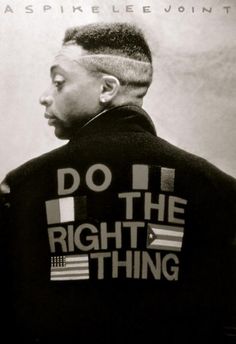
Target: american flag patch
<point>73,267</point>
<point>161,237</point>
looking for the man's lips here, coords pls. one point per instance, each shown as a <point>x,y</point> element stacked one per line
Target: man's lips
<point>51,118</point>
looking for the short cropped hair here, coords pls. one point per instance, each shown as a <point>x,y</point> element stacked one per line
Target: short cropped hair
<point>120,39</point>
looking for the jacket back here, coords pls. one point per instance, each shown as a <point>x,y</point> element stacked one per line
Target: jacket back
<point>118,235</point>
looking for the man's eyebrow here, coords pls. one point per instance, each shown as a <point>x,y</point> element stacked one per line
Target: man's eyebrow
<point>53,67</point>
<point>56,66</point>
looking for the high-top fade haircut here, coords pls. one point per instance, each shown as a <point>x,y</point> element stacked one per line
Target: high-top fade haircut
<point>121,39</point>
<point>119,49</point>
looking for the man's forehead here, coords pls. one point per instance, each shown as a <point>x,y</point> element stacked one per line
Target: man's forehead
<point>71,51</point>
<point>64,63</point>
<point>67,57</point>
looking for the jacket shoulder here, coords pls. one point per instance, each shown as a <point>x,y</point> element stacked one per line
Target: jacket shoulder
<point>197,165</point>
<point>34,166</point>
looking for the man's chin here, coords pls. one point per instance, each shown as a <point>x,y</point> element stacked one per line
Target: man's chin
<point>61,134</point>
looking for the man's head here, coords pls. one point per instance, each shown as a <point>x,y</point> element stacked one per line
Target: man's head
<point>100,66</point>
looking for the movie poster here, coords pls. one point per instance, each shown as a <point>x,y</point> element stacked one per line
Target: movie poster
<point>73,273</point>
<point>192,98</point>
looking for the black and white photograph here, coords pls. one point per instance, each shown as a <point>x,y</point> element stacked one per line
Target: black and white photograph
<point>117,171</point>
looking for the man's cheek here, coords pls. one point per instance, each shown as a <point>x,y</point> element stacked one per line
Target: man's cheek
<point>62,107</point>
<point>67,104</point>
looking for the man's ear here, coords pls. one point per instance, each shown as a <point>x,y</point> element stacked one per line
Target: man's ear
<point>109,88</point>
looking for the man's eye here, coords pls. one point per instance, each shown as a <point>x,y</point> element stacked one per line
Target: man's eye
<point>58,83</point>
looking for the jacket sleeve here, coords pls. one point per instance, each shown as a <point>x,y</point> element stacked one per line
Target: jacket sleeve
<point>4,255</point>
<point>224,198</point>
<point>230,268</point>
<point>4,206</point>
<point>230,292</point>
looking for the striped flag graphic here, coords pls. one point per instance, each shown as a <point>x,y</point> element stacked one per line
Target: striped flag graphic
<point>142,175</point>
<point>161,237</point>
<point>66,209</point>
<point>73,267</point>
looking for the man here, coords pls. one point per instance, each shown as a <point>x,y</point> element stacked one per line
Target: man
<point>118,235</point>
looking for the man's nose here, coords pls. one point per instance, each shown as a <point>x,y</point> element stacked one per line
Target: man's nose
<point>46,99</point>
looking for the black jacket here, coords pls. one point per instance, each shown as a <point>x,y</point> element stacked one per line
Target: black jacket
<point>118,236</point>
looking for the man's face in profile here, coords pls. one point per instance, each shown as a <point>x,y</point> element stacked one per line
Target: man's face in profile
<point>73,97</point>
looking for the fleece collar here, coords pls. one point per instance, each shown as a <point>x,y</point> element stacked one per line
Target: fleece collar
<point>123,118</point>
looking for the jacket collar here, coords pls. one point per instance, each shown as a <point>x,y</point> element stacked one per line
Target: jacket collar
<point>119,119</point>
